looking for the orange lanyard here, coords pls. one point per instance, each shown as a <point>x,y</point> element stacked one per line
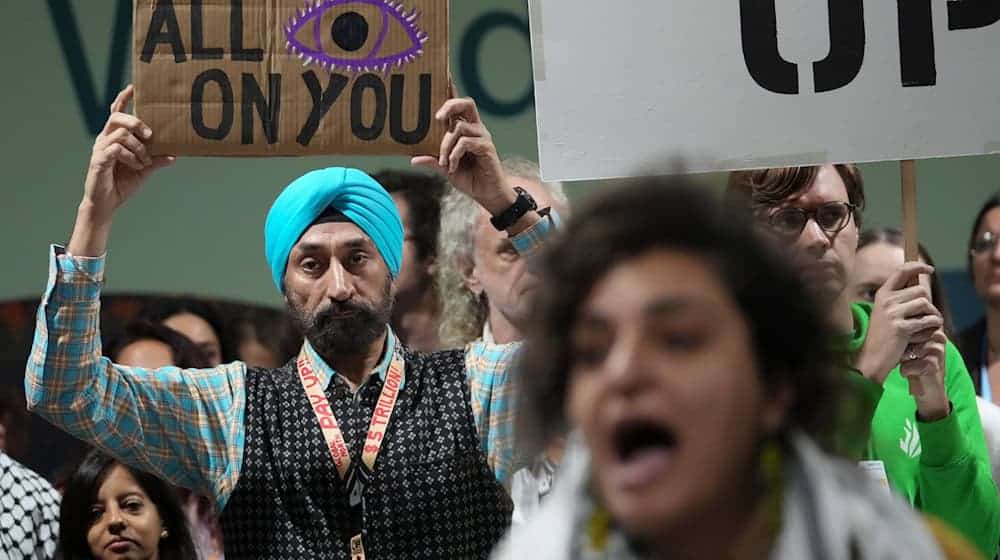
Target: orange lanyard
<point>355,478</point>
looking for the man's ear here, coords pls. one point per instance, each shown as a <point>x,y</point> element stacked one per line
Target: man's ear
<point>469,277</point>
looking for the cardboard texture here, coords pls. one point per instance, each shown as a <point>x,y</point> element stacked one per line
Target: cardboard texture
<point>291,77</point>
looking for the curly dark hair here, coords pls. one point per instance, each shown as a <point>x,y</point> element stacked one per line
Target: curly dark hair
<point>792,341</point>
<point>423,193</point>
<point>81,492</point>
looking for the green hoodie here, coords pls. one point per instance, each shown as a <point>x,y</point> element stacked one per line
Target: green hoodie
<point>941,467</point>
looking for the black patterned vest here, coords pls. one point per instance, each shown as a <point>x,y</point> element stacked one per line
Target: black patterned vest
<point>433,494</point>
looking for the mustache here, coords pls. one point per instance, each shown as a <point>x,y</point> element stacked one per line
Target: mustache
<point>331,312</point>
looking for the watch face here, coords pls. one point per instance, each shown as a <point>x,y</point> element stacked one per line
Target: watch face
<point>532,205</point>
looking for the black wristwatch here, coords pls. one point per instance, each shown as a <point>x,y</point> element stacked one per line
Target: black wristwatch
<point>514,212</point>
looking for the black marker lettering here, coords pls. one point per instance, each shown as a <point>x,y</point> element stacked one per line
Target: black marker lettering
<point>236,34</point>
<point>322,101</point>
<point>198,100</point>
<point>414,136</point>
<point>198,49</point>
<point>163,16</point>
<point>362,83</point>
<point>269,111</point>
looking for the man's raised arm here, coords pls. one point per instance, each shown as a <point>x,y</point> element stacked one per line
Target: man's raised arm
<point>469,159</point>
<point>183,425</point>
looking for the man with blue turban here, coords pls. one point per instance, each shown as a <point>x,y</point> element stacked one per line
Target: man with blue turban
<point>359,448</point>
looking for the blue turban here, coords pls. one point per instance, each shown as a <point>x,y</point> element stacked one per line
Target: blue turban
<point>348,191</point>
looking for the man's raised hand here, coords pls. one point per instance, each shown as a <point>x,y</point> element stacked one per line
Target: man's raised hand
<point>119,165</point>
<point>469,158</point>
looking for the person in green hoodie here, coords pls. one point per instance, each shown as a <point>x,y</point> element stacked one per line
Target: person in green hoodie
<point>925,436</point>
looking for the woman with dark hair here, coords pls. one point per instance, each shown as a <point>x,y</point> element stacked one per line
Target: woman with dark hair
<point>112,511</point>
<point>701,379</point>
<point>266,337</point>
<point>199,320</point>
<point>880,254</point>
<point>980,343</point>
<point>153,345</point>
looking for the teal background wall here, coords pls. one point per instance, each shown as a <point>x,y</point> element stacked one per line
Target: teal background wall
<point>197,227</point>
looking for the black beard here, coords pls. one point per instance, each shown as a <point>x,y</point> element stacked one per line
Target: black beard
<point>332,336</point>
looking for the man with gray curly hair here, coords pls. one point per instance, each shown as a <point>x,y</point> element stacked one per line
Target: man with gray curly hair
<point>484,285</point>
<point>482,281</point>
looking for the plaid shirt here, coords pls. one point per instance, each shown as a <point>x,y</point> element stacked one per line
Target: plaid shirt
<point>489,369</point>
<point>187,425</point>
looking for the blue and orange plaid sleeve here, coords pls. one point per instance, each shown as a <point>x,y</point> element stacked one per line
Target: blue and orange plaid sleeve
<point>530,241</point>
<point>493,393</point>
<point>490,371</point>
<point>185,426</point>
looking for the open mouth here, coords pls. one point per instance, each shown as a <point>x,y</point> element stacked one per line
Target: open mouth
<point>644,451</point>
<point>637,437</point>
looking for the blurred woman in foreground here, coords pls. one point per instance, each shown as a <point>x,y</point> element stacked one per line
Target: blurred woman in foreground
<point>699,377</point>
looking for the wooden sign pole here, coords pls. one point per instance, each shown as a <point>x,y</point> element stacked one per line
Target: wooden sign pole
<point>911,239</point>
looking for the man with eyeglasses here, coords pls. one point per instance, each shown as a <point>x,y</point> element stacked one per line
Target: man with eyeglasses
<point>925,440</point>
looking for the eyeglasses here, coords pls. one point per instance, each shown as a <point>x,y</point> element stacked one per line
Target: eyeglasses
<point>985,243</point>
<point>830,217</point>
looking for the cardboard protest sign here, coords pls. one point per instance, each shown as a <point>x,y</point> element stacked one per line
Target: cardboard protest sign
<point>291,77</point>
<point>758,83</point>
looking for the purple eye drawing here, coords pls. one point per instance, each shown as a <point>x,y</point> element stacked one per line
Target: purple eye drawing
<point>350,35</point>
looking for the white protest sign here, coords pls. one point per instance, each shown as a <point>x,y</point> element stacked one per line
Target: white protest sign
<point>757,83</point>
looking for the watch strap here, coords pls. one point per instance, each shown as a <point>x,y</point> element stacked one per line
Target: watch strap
<point>521,206</point>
